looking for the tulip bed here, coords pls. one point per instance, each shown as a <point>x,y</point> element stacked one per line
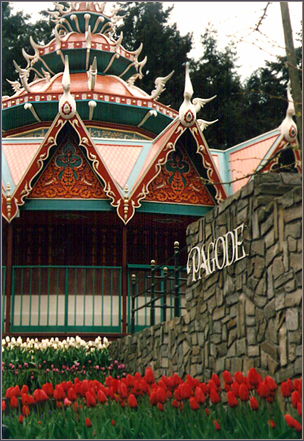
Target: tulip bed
<point>138,407</point>
<point>34,362</point>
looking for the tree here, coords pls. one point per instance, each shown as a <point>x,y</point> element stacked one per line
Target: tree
<point>215,73</point>
<point>16,32</point>
<point>165,48</point>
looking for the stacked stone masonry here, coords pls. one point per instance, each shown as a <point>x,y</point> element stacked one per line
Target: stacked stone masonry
<point>247,314</point>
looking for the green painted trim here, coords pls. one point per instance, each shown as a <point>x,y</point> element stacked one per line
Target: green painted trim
<point>177,209</point>
<point>53,328</point>
<point>67,205</point>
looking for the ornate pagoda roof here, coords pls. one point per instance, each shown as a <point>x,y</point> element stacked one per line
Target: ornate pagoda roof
<point>102,75</point>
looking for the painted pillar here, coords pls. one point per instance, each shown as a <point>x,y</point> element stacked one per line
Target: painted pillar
<point>8,277</point>
<point>124,278</point>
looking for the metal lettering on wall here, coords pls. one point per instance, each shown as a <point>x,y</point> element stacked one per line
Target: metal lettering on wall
<point>225,251</point>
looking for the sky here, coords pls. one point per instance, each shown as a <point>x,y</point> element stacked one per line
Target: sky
<point>234,21</point>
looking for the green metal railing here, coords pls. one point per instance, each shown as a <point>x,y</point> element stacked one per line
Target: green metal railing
<point>156,293</point>
<point>3,295</point>
<point>66,299</point>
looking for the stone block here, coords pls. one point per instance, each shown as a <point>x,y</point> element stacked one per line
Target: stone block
<point>283,279</point>
<point>249,307</point>
<point>236,365</point>
<point>220,365</point>
<point>251,336</point>
<point>293,213</point>
<point>284,374</point>
<point>270,349</point>
<point>269,309</point>
<point>269,239</point>
<point>292,352</point>
<point>299,351</point>
<point>241,347</point>
<point>295,337</point>
<point>294,230</point>
<point>279,301</point>
<point>298,366</point>
<point>292,319</point>
<point>260,300</point>
<point>265,226</point>
<point>250,320</point>
<point>283,346</point>
<point>264,360</point>
<point>258,248</point>
<point>271,334</point>
<point>295,260</point>
<point>293,299</point>
<point>253,351</point>
<point>232,336</point>
<point>218,313</point>
<point>273,365</point>
<point>232,299</point>
<point>277,267</point>
<point>232,350</point>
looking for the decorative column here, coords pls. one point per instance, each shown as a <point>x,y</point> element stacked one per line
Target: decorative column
<point>8,276</point>
<point>124,281</point>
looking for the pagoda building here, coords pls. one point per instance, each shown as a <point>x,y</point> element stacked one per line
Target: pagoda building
<point>99,177</point>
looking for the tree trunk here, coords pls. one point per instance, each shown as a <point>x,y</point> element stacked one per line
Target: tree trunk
<point>292,68</point>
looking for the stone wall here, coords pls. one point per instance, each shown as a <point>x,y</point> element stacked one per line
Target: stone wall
<point>247,314</point>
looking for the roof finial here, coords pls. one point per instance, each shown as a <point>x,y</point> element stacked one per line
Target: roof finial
<point>288,127</point>
<point>188,110</point>
<point>67,104</point>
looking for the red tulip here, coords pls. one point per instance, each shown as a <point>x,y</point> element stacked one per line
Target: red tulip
<point>185,390</point>
<point>262,390</point>
<point>3,405</point>
<point>235,388</point>
<point>14,402</point>
<point>239,377</point>
<point>149,375</point>
<point>130,381</point>
<point>144,386</point>
<point>299,409</point>
<point>20,419</point>
<point>254,403</point>
<point>153,398</point>
<point>253,377</point>
<point>25,410</point>
<point>290,384</point>
<point>101,397</point>
<point>24,389</point>
<point>270,383</point>
<point>48,389</point>
<point>227,377</point>
<point>176,380</point>
<point>207,412</point>
<point>71,394</point>
<point>59,393</point>
<point>39,395</point>
<point>161,395</point>
<point>175,403</point>
<point>216,425</point>
<point>113,422</point>
<point>216,380</point>
<point>214,397</point>
<point>212,385</point>
<point>243,392</point>
<point>232,400</point>
<point>90,400</point>
<point>160,406</point>
<point>88,422</point>
<point>291,422</point>
<point>298,385</point>
<point>199,395</point>
<point>193,403</point>
<point>295,398</point>
<point>271,424</point>
<point>285,391</point>
<point>123,391</point>
<point>132,402</point>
